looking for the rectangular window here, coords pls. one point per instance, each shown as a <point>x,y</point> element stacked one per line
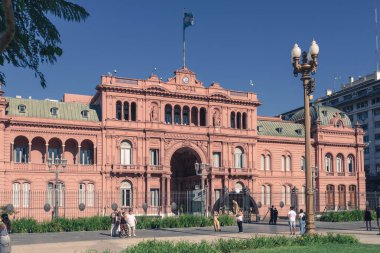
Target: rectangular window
<point>362,116</point>
<point>377,136</point>
<point>154,157</point>
<point>267,195</point>
<point>16,194</point>
<point>376,100</point>
<point>362,104</point>
<point>82,193</point>
<point>26,194</point>
<point>85,157</point>
<point>376,111</point>
<point>216,159</point>
<point>20,154</point>
<point>154,197</point>
<point>377,148</point>
<point>90,195</point>
<point>365,127</point>
<point>55,153</point>
<point>377,124</point>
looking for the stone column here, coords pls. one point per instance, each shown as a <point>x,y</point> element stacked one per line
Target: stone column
<point>168,210</point>
<point>63,151</point>
<point>46,152</point>
<point>12,152</point>
<point>95,156</point>
<point>78,156</point>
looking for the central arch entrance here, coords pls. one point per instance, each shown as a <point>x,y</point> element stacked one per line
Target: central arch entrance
<point>184,181</point>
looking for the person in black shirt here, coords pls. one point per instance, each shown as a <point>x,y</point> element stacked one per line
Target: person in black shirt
<point>275,216</point>
<point>368,219</point>
<point>5,219</point>
<point>271,220</point>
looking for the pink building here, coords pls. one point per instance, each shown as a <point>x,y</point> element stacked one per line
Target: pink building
<point>136,143</point>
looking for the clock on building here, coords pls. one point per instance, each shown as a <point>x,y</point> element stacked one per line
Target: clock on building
<point>185,80</point>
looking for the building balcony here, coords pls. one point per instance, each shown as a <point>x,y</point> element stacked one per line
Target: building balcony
<point>127,168</point>
<point>218,170</point>
<point>44,167</point>
<point>341,174</point>
<point>155,168</point>
<point>329,173</point>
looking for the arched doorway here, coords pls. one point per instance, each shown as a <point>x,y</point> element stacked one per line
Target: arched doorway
<point>184,183</point>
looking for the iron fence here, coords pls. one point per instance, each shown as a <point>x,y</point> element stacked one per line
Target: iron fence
<point>73,204</point>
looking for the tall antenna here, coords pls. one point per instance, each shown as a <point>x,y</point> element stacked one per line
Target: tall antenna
<point>377,38</point>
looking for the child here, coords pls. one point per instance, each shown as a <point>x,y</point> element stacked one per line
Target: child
<point>216,222</point>
<point>131,222</point>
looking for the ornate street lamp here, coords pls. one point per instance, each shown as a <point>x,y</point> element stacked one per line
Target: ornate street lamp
<point>57,162</point>
<point>199,168</point>
<point>309,65</point>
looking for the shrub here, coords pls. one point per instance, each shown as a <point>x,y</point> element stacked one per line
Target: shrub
<point>235,245</point>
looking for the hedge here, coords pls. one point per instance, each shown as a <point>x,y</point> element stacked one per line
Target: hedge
<point>236,245</point>
<point>104,223</point>
<point>353,215</point>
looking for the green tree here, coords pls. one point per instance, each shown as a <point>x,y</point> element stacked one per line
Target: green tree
<point>28,38</point>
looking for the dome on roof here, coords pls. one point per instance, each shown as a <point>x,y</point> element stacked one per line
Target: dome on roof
<point>325,114</point>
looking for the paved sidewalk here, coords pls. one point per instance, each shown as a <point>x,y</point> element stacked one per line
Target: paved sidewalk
<point>67,242</point>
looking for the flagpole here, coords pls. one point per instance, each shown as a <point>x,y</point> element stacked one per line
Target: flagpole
<point>184,48</point>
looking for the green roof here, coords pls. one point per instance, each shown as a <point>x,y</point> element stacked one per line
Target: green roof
<point>42,109</point>
<point>322,113</point>
<point>280,128</point>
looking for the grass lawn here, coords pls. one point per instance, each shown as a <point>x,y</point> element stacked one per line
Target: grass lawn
<point>325,248</point>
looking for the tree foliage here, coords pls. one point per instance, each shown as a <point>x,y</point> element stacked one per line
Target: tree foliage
<point>36,40</point>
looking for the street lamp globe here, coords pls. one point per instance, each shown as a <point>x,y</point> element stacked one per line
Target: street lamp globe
<point>314,48</point>
<point>296,52</point>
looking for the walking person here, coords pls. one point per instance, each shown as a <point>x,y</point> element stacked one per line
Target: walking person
<point>5,219</point>
<point>123,226</point>
<point>292,220</point>
<point>131,223</point>
<point>378,217</point>
<point>302,217</point>
<point>271,219</point>
<point>275,216</point>
<point>368,219</point>
<point>239,220</point>
<point>216,222</point>
<point>5,241</point>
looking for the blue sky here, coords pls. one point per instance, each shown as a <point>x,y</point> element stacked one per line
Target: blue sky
<point>232,42</point>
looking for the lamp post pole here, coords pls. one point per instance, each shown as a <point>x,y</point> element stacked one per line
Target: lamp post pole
<point>309,65</point>
<point>57,162</point>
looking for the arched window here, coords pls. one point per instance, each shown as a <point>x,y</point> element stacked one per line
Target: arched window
<point>342,197</point>
<point>118,110</point>
<point>266,195</point>
<point>330,192</point>
<point>194,116</point>
<point>125,153</point>
<point>238,158</point>
<point>177,115</point>
<point>339,164</point>
<point>185,115</point>
<point>288,163</point>
<point>232,119</point>
<point>352,192</point>
<point>238,120</point>
<point>168,114</point>
<point>21,150</point>
<point>202,116</point>
<point>267,162</point>
<point>262,162</point>
<point>328,164</point>
<point>244,120</point>
<point>350,164</point>
<point>283,163</point>
<point>126,194</point>
<point>133,111</point>
<point>126,110</point>
<point>303,163</point>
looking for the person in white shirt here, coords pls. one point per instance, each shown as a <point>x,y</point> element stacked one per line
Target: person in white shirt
<point>292,220</point>
<point>131,223</point>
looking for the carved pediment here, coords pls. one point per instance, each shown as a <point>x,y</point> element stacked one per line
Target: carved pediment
<point>156,89</point>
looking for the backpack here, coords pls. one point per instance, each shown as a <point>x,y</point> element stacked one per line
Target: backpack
<point>303,217</point>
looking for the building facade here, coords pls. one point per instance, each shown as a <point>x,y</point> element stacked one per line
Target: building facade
<point>360,100</point>
<point>141,144</point>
